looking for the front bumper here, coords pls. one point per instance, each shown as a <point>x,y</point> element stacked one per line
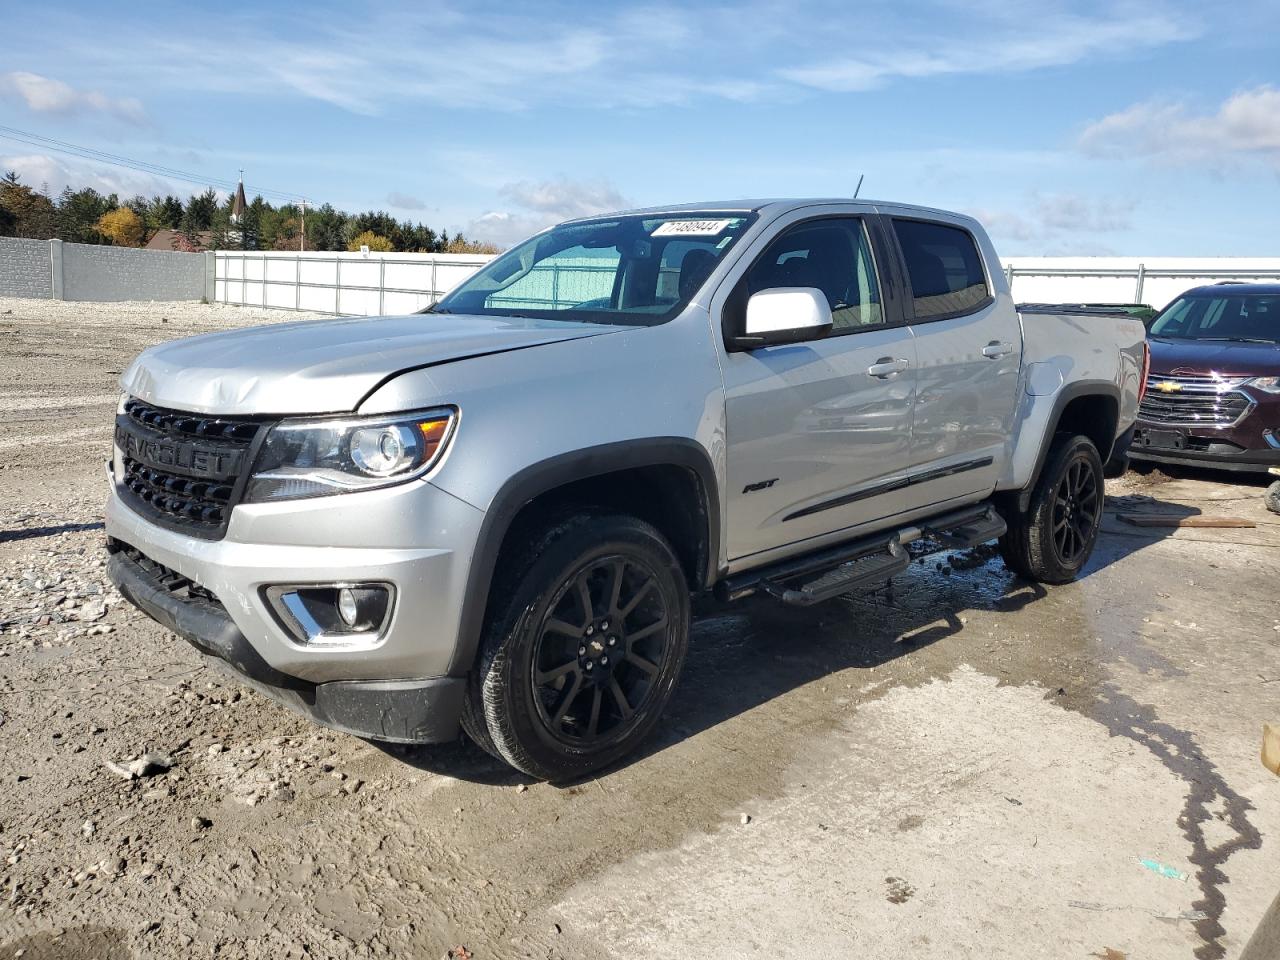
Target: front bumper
<point>1196,447</point>
<point>394,687</point>
<point>399,711</point>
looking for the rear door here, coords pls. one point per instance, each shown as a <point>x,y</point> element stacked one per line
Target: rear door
<point>819,432</point>
<point>969,350</point>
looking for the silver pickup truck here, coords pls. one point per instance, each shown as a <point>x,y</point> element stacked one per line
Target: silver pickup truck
<point>493,515</point>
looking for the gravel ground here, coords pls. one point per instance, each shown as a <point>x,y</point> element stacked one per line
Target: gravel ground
<point>962,766</point>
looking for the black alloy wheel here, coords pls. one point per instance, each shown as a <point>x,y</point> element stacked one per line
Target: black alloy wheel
<point>585,635</point>
<point>1075,511</point>
<point>1051,540</point>
<point>601,645</point>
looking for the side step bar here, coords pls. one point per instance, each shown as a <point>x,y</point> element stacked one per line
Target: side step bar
<point>863,563</point>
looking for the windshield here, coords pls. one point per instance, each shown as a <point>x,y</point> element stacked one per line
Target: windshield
<point>638,270</point>
<point>1244,318</point>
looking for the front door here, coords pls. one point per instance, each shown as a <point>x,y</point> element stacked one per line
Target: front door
<point>818,433</point>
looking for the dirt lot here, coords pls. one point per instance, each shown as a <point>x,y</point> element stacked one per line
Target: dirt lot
<point>966,766</point>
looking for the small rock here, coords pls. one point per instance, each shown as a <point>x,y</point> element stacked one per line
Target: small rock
<point>555,928</point>
<point>87,828</point>
<point>93,610</point>
<point>201,823</point>
<point>522,788</point>
<point>745,819</point>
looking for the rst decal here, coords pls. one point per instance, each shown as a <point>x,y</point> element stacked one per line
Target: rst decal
<point>761,485</point>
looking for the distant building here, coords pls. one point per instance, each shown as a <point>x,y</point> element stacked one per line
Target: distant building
<point>238,204</point>
<point>174,240</point>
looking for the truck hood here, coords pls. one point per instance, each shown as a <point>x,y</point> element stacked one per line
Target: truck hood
<point>1214,356</point>
<point>326,366</point>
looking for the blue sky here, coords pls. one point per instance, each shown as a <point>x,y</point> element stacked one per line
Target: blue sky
<point>1143,127</point>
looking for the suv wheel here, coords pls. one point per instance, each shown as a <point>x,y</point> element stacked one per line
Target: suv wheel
<point>1053,540</point>
<point>586,633</point>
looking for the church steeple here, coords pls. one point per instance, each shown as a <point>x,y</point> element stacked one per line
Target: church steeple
<point>238,204</point>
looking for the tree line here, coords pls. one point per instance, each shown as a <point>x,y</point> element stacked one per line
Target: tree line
<point>203,222</point>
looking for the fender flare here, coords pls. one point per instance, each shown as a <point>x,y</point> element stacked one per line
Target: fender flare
<point>546,475</point>
<point>1073,391</point>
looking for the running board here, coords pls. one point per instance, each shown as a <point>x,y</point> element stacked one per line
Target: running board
<point>872,570</point>
<point>864,563</point>
<point>989,526</point>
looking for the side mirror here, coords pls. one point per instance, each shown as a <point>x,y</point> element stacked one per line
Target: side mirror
<point>785,315</point>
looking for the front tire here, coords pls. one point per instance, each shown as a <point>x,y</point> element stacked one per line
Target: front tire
<point>1053,540</point>
<point>585,637</point>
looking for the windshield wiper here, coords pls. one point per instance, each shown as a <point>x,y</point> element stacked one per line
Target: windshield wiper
<point>1240,340</point>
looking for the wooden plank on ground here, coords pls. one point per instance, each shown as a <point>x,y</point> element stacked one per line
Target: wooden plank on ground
<point>1176,520</point>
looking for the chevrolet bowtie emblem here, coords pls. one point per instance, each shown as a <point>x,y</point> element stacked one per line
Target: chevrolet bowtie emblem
<point>1168,386</point>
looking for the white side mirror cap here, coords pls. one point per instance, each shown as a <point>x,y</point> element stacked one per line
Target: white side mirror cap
<point>787,315</point>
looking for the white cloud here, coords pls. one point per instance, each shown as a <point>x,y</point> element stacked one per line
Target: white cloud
<point>508,57</point>
<point>1246,126</point>
<point>47,95</point>
<point>37,169</point>
<point>564,198</point>
<point>538,205</point>
<point>1009,38</point>
<point>405,201</point>
<point>1057,224</point>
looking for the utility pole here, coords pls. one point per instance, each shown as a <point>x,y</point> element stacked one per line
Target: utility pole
<point>302,237</point>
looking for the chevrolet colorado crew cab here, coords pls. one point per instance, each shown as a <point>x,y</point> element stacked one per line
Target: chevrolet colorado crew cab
<point>492,515</point>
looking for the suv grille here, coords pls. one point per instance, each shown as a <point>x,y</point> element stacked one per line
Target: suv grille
<point>1193,401</point>
<point>182,470</point>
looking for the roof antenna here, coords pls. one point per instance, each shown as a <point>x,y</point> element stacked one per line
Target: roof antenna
<point>858,189</point>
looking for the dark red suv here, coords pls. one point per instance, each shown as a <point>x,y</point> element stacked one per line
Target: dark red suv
<point>1213,395</point>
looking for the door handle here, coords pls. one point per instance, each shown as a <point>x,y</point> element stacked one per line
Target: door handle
<point>887,367</point>
<point>995,350</point>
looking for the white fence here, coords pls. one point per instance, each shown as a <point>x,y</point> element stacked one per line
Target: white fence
<point>1152,280</point>
<point>391,283</point>
<point>342,283</point>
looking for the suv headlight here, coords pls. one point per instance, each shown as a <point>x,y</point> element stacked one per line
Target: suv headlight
<point>309,458</point>
<point>1266,384</point>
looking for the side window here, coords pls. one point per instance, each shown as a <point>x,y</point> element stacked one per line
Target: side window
<point>832,255</point>
<point>944,267</point>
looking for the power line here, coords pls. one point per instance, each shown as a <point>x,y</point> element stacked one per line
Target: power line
<point>142,166</point>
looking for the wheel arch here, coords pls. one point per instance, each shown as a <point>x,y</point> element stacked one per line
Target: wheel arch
<point>667,481</point>
<point>1091,408</point>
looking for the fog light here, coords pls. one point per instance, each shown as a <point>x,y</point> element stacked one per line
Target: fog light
<point>348,609</point>
<point>335,614</point>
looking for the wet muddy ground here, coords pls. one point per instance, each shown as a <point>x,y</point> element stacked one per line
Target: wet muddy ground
<point>963,766</point>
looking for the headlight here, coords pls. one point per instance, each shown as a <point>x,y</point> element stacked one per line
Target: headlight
<point>308,458</point>
<point>1266,384</point>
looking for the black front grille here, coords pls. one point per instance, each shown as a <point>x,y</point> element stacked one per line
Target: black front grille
<point>167,579</point>
<point>183,470</point>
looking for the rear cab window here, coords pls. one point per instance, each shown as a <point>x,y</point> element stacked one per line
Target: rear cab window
<point>944,268</point>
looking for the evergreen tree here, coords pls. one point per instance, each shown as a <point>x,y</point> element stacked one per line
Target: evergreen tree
<point>165,213</point>
<point>79,212</point>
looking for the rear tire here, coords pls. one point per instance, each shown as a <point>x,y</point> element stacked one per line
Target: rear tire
<point>583,643</point>
<point>1053,540</point>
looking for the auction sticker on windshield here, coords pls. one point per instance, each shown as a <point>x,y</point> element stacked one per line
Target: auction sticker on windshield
<point>692,228</point>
